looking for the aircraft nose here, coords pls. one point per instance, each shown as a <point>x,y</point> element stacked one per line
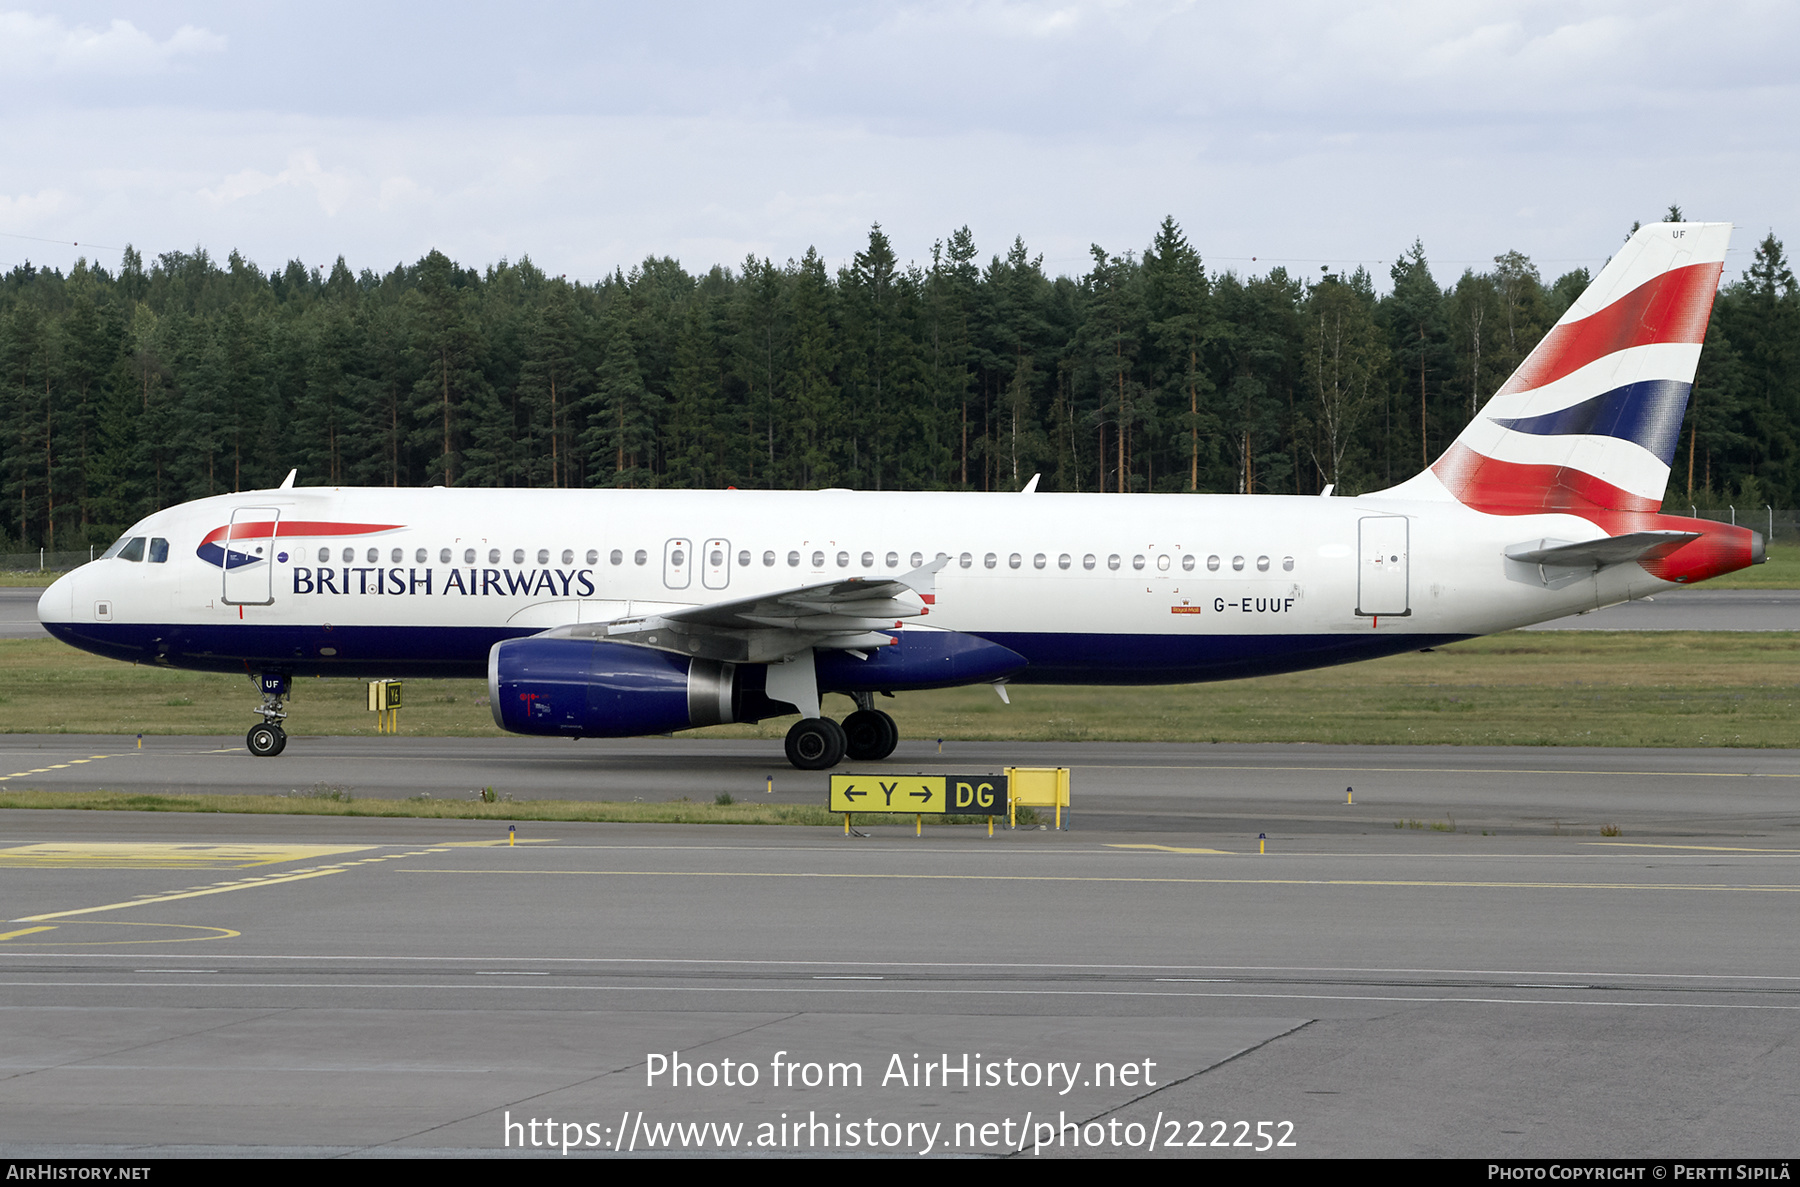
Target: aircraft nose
<point>57,604</point>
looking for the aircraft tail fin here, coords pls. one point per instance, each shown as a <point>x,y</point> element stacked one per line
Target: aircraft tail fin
<point>1590,420</point>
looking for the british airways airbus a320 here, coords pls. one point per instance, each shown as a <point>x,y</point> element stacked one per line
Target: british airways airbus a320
<point>614,613</point>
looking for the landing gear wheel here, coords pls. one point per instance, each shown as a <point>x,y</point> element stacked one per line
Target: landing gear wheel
<point>266,741</point>
<point>815,744</point>
<point>870,734</point>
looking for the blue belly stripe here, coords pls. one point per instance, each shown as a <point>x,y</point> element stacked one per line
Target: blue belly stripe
<point>364,652</point>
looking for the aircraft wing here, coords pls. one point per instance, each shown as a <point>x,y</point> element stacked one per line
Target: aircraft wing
<point>1601,553</point>
<point>845,615</point>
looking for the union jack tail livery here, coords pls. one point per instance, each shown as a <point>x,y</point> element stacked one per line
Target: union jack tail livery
<point>1590,420</point>
<point>1587,426</point>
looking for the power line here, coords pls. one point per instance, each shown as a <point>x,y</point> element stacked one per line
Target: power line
<point>68,242</point>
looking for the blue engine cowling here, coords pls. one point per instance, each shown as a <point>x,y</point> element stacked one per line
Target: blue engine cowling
<point>594,689</point>
<point>588,688</point>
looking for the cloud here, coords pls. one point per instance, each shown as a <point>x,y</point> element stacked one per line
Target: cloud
<point>32,46</point>
<point>333,188</point>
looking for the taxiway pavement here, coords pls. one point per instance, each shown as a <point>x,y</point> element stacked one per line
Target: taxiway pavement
<point>1490,953</point>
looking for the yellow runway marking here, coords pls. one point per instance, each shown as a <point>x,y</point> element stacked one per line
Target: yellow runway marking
<point>1390,882</point>
<point>1707,848</point>
<point>62,765</point>
<point>246,884</point>
<point>149,855</point>
<point>13,935</point>
<point>1170,849</point>
<point>63,940</point>
<point>294,852</point>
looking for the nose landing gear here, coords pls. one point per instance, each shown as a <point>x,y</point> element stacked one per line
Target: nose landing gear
<point>266,741</point>
<point>269,739</point>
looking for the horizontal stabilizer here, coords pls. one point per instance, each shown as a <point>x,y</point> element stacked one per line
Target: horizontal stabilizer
<point>1601,553</point>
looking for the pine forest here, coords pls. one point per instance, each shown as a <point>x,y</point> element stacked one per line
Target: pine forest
<point>132,390</point>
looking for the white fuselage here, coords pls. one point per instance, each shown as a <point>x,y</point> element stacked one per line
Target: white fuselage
<point>1090,588</point>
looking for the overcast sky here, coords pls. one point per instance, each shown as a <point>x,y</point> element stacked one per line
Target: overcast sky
<point>589,136</point>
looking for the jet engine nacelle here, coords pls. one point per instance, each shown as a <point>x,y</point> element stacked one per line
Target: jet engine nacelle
<point>568,686</point>
<point>595,689</point>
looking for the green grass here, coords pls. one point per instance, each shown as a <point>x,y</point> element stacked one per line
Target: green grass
<point>1780,571</point>
<point>312,804</point>
<point>26,577</point>
<point>1542,688</point>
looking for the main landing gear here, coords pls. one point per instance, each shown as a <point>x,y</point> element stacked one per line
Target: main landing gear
<point>269,739</point>
<point>819,743</point>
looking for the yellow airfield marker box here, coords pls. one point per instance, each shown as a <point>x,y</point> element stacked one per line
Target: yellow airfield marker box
<point>928,795</point>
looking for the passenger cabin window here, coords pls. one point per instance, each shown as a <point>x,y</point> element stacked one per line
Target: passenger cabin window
<point>1187,563</point>
<point>374,555</point>
<point>917,559</point>
<point>868,560</point>
<point>744,558</point>
<point>989,560</point>
<point>1014,561</point>
<point>1212,564</point>
<point>1087,562</point>
<point>1112,562</point>
<point>396,556</point>
<point>617,558</point>
<point>443,556</point>
<point>468,556</point>
<point>843,560</point>
<point>568,557</point>
<point>768,559</point>
<point>640,556</point>
<point>1137,562</point>
<point>518,556</point>
<point>1064,561</point>
<point>159,550</point>
<point>965,560</point>
<point>893,560</point>
<point>419,557</point>
<point>133,550</point>
<point>793,560</point>
<point>1237,564</point>
<point>593,556</point>
<point>544,556</point>
<point>493,556</point>
<point>349,556</point>
<point>1039,561</point>
<point>1162,562</point>
<point>1262,564</point>
<point>1287,564</point>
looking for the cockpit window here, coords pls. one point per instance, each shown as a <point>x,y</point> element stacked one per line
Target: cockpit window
<point>133,550</point>
<point>159,550</point>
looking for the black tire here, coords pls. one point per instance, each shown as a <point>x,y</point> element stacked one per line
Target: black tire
<point>870,735</point>
<point>265,741</point>
<point>815,744</point>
